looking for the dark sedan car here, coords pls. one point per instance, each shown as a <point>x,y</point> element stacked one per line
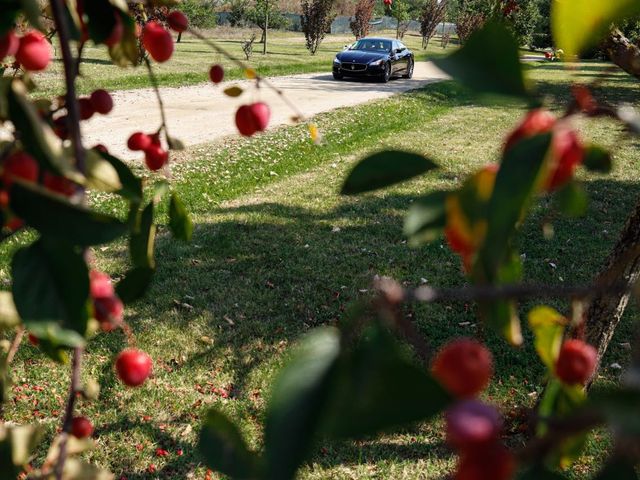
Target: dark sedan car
<point>380,58</point>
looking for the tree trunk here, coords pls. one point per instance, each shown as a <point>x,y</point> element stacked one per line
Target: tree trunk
<point>623,265</point>
<point>623,53</point>
<point>264,32</point>
<point>179,37</point>
<point>605,311</point>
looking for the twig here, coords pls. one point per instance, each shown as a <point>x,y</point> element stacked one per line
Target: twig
<point>245,67</point>
<point>68,414</point>
<point>517,291</point>
<point>15,344</point>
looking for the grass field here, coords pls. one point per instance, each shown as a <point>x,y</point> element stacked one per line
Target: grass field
<point>286,55</point>
<point>277,252</point>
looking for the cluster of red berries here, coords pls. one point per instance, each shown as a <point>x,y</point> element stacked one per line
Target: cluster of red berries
<point>252,118</point>
<point>155,156</point>
<point>107,307</point>
<point>157,40</point>
<point>32,51</point>
<point>100,101</point>
<point>20,165</point>
<point>464,367</point>
<point>576,362</point>
<point>567,151</point>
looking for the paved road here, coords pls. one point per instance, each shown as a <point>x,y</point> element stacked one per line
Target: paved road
<point>202,113</point>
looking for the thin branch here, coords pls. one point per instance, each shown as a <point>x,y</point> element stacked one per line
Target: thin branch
<point>68,61</point>
<point>68,415</point>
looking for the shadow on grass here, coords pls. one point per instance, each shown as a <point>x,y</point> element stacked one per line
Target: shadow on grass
<point>277,270</point>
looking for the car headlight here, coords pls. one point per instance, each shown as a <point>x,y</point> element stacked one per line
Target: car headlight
<point>375,63</point>
<point>335,60</point>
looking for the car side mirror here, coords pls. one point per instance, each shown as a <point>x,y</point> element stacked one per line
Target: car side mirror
<point>399,50</point>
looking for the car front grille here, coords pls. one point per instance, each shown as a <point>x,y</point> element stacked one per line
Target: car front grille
<point>354,67</point>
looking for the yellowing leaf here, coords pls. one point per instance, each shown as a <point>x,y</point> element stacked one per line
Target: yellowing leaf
<point>314,133</point>
<point>233,91</point>
<point>548,327</point>
<point>579,24</point>
<point>250,73</point>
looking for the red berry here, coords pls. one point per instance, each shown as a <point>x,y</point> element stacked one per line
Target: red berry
<point>19,165</point>
<point>535,122</point>
<point>61,128</point>
<point>157,41</point>
<point>568,153</point>
<point>34,52</point>
<point>244,121</point>
<point>86,109</point>
<point>14,224</point>
<point>252,118</point>
<point>100,284</point>
<point>116,33</point>
<point>471,423</point>
<point>576,362</point>
<point>139,141</point>
<point>109,311</point>
<point>155,139</point>
<point>100,148</point>
<point>261,114</point>
<point>81,427</point>
<point>9,43</point>
<point>33,340</point>
<point>493,462</point>
<point>102,101</point>
<point>155,157</point>
<point>216,73</point>
<point>464,367</point>
<point>178,21</point>
<point>133,367</point>
<point>59,184</point>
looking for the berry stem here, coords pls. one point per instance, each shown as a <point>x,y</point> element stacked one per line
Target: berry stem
<point>15,344</point>
<point>156,89</point>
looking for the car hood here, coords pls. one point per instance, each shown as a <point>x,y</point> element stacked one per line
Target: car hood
<point>359,56</point>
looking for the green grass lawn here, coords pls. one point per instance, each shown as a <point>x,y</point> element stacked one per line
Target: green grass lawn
<point>277,252</point>
<point>286,55</point>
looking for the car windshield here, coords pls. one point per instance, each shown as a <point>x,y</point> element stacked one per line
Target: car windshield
<point>372,45</point>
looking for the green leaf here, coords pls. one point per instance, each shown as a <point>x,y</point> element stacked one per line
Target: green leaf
<point>383,169</point>
<point>179,220</point>
<point>579,24</point>
<point>17,443</point>
<point>54,216</point>
<point>597,159</point>
<point>514,186</point>
<point>134,284</point>
<point>125,52</point>
<point>572,199</point>
<point>101,174</point>
<point>55,334</point>
<point>101,16</point>
<point>51,285</point>
<point>540,472</point>
<point>617,469</point>
<point>9,316</point>
<point>224,449</point>
<point>10,10</point>
<point>548,327</point>
<point>489,62</point>
<point>36,136</point>
<point>376,389</point>
<point>426,217</point>
<point>131,185</point>
<point>175,143</point>
<point>142,240</point>
<point>31,10</point>
<point>299,395</point>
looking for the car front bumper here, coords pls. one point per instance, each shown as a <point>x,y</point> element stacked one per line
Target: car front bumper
<point>369,70</point>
